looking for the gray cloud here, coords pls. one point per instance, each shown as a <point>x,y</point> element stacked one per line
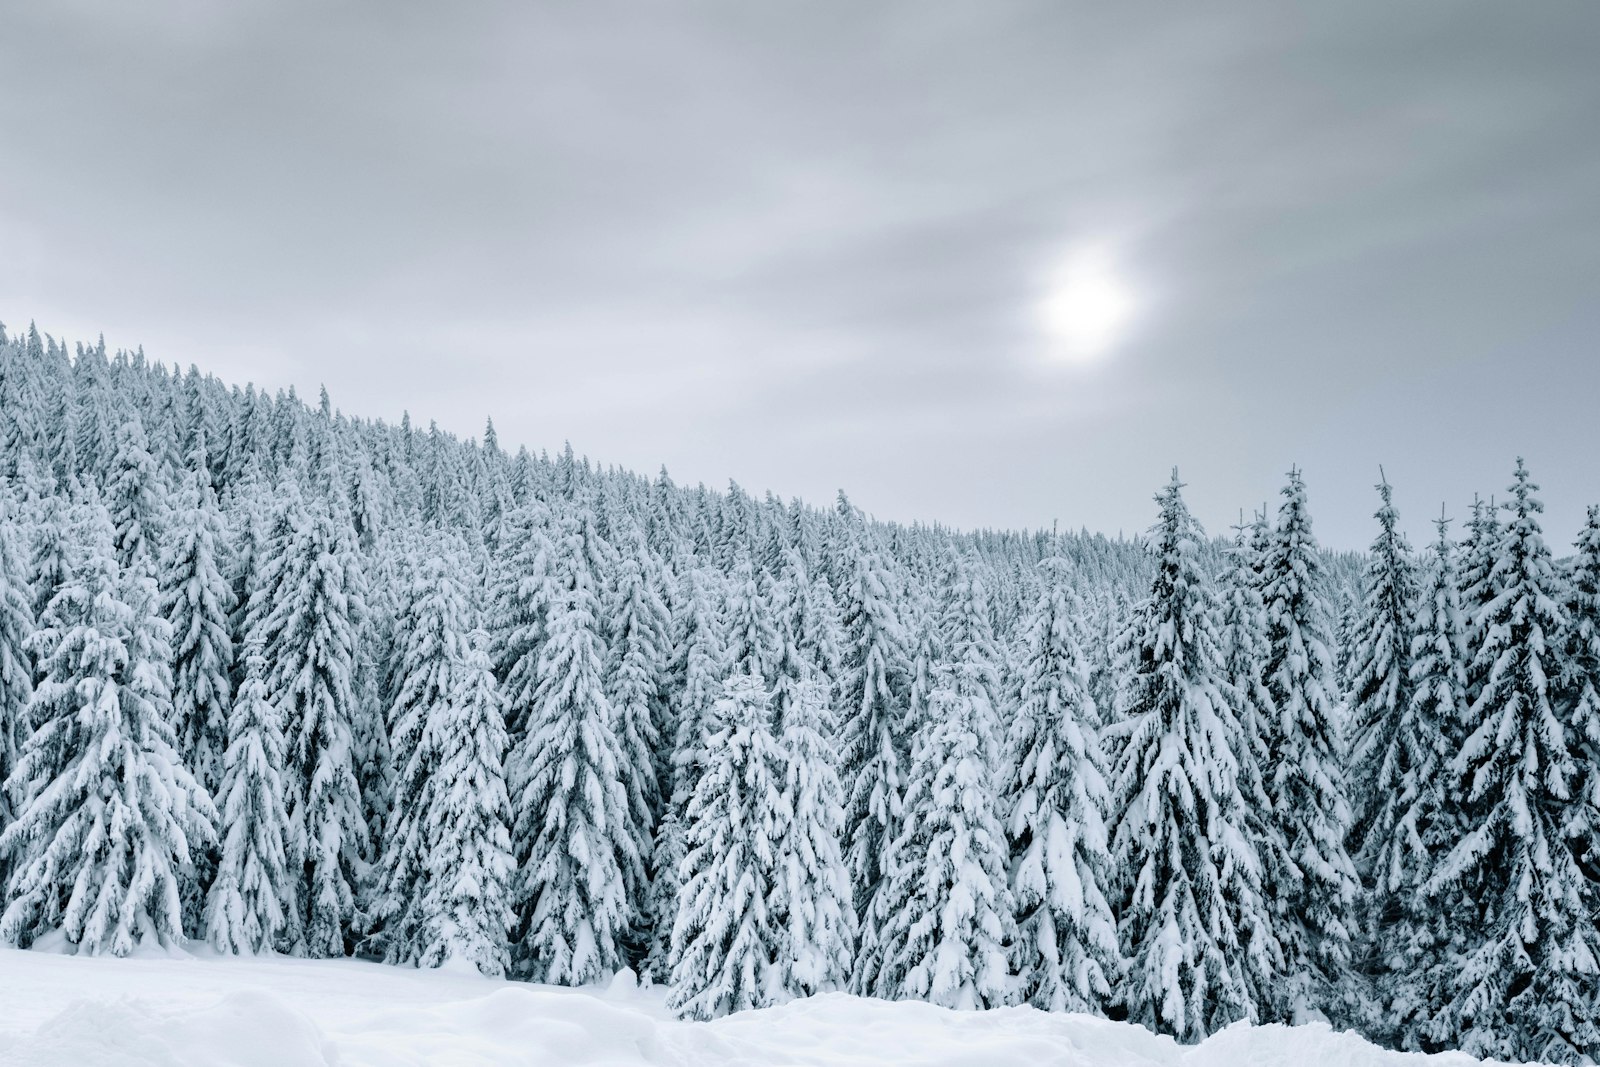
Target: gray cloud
<point>799,245</point>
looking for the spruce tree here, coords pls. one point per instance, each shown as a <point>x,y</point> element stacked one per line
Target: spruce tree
<point>1056,801</point>
<point>1315,890</point>
<point>693,685</point>
<point>812,899</point>
<point>53,559</point>
<point>575,855</point>
<point>134,495</point>
<point>1524,986</point>
<point>1579,687</point>
<point>945,905</point>
<point>752,641</point>
<point>252,905</point>
<point>1193,926</point>
<point>196,601</point>
<point>1243,634</point>
<point>635,669</point>
<point>432,628</point>
<point>1479,554</point>
<point>309,606</point>
<point>1417,961</point>
<point>700,665</point>
<point>522,604</point>
<point>107,812</point>
<point>1380,694</point>
<point>872,722</point>
<point>16,662</point>
<point>466,910</point>
<point>726,939</point>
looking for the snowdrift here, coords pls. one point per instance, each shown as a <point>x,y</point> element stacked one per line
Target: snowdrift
<point>61,1011</point>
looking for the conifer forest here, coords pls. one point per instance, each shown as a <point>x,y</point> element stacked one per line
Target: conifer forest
<point>279,678</point>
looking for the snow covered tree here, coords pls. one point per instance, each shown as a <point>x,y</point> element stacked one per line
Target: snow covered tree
<point>1055,803</point>
<point>1415,925</point>
<point>1194,928</point>
<point>668,851</point>
<point>635,669</point>
<point>807,610</point>
<point>309,608</point>
<point>726,939</point>
<point>1314,893</point>
<point>1380,693</point>
<point>252,905</point>
<point>134,495</point>
<point>968,650</point>
<point>432,627</point>
<point>945,903</point>
<point>1579,687</point>
<point>700,665</point>
<point>692,686</point>
<point>752,641</point>
<point>466,904</point>
<point>812,899</point>
<point>16,663</point>
<point>1524,986</point>
<point>107,812</point>
<point>1479,554</point>
<point>872,711</point>
<point>53,553</point>
<point>1243,634</point>
<point>571,835</point>
<point>522,605</point>
<point>196,601</point>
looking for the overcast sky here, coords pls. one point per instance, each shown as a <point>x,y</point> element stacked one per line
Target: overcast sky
<point>820,244</point>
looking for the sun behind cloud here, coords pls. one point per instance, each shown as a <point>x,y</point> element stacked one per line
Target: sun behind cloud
<point>1087,307</point>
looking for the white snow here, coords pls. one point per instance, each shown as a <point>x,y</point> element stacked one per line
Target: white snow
<point>64,1011</point>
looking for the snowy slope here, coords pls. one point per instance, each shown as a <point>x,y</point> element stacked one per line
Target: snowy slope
<point>60,1011</point>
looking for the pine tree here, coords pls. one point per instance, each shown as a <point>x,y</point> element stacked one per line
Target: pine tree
<point>522,606</point>
<point>872,709</point>
<point>700,664</point>
<point>945,905</point>
<point>309,605</point>
<point>252,904</point>
<point>726,938</point>
<point>432,628</point>
<point>575,854</point>
<point>1524,988</point>
<point>53,553</point>
<point>108,814</point>
<point>196,601</point>
<point>1479,554</point>
<point>466,906</point>
<point>1056,801</point>
<point>969,652</point>
<point>134,495</point>
<point>1380,692</point>
<point>1417,962</point>
<point>16,662</point>
<point>752,641</point>
<point>692,686</point>
<point>1193,925</point>
<point>668,851</point>
<point>636,664</point>
<point>1314,894</point>
<point>1579,688</point>
<point>1243,634</point>
<point>812,900</point>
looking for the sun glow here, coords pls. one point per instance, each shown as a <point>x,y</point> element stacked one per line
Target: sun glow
<point>1087,307</point>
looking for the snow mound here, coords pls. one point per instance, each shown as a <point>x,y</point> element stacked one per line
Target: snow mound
<point>244,1029</point>
<point>202,1011</point>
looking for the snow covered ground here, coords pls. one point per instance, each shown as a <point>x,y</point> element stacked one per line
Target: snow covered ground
<point>62,1011</point>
